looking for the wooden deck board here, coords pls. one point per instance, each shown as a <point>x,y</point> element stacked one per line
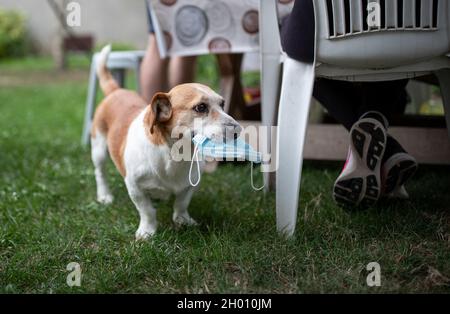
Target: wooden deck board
<point>330,142</point>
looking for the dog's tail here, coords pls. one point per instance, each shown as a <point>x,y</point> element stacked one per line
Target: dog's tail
<point>107,82</point>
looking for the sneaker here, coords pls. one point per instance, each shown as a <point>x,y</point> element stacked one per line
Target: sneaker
<point>360,181</point>
<point>395,172</point>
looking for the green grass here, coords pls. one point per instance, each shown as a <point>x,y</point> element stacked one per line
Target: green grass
<point>42,63</point>
<point>49,218</point>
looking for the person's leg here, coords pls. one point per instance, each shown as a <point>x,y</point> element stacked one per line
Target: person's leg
<point>353,105</point>
<point>341,99</point>
<point>181,70</point>
<point>398,167</point>
<point>388,98</point>
<point>385,97</point>
<point>298,32</point>
<point>153,71</point>
<point>347,102</point>
<point>360,181</point>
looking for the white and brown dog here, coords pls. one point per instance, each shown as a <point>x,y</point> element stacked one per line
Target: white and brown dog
<point>139,138</point>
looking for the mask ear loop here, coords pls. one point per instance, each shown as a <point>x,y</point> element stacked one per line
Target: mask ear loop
<point>195,157</point>
<point>251,179</point>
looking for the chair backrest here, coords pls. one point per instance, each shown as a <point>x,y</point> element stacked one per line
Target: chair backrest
<point>382,33</point>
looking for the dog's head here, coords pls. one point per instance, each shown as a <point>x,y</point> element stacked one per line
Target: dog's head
<point>190,109</point>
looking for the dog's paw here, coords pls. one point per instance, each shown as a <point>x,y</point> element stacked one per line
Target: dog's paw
<point>143,233</point>
<point>185,220</point>
<point>105,199</point>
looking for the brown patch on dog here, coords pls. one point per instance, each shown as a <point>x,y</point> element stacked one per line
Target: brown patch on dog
<point>113,118</point>
<point>156,117</point>
<point>183,98</point>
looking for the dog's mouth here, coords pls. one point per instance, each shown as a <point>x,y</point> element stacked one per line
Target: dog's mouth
<point>228,132</point>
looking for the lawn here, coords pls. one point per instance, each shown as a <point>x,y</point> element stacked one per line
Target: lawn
<point>49,218</point>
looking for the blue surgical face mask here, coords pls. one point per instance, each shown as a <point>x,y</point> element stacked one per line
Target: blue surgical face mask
<point>225,150</point>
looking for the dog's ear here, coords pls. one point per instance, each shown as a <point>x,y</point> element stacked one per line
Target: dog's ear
<point>160,110</point>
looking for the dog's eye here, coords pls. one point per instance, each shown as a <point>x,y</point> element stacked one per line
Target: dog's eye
<point>222,104</point>
<point>201,108</point>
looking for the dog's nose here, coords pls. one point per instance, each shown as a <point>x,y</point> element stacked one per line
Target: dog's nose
<point>232,130</point>
<point>237,128</point>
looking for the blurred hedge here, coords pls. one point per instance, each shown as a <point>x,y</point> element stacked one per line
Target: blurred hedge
<point>12,34</point>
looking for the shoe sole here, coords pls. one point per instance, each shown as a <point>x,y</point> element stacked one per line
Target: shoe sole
<point>362,186</point>
<point>399,174</point>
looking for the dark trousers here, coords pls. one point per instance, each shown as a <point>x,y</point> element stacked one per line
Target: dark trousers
<point>347,101</point>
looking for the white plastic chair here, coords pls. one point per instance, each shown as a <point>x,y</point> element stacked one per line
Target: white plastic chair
<point>400,48</point>
<point>118,62</point>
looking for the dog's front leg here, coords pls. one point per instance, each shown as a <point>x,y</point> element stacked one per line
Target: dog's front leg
<point>180,208</point>
<point>147,213</point>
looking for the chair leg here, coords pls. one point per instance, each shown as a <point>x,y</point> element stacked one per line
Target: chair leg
<point>444,82</point>
<point>90,103</point>
<point>137,73</point>
<point>270,52</point>
<point>269,95</point>
<point>119,76</point>
<point>295,100</point>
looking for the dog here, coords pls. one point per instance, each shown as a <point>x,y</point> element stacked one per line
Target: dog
<point>139,138</point>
